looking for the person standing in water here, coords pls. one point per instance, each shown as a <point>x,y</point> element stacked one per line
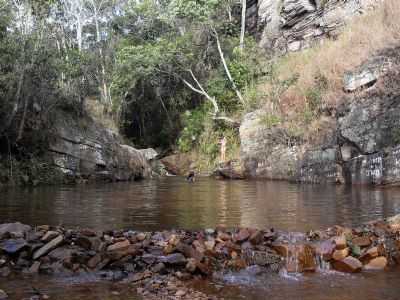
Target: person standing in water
<point>223,149</point>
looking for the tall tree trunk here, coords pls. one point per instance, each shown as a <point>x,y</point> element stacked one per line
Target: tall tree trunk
<point>243,27</point>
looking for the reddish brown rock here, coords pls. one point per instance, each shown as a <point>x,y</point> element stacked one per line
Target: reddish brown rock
<point>340,242</point>
<point>369,254</point>
<point>119,246</point>
<point>242,235</point>
<point>306,258</point>
<point>341,254</point>
<point>348,265</point>
<point>378,263</point>
<point>94,261</point>
<point>122,252</point>
<point>281,249</point>
<point>362,241</point>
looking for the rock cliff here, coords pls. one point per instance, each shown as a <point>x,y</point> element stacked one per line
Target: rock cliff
<point>291,25</point>
<point>82,149</point>
<point>361,145</point>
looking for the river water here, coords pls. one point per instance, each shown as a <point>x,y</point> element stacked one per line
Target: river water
<point>173,203</point>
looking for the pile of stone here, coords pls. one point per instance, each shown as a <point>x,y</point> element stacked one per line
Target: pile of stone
<point>159,262</point>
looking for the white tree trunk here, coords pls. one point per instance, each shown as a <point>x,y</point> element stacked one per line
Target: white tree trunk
<point>243,27</point>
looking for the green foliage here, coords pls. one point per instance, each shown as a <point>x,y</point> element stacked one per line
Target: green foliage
<point>270,120</point>
<point>314,94</point>
<point>193,126</point>
<point>194,10</point>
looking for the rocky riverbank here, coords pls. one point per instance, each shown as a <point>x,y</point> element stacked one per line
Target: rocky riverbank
<point>159,264</point>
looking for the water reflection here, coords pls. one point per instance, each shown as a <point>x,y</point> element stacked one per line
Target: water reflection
<point>174,203</point>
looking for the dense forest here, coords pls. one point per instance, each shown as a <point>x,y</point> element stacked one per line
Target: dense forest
<point>164,72</point>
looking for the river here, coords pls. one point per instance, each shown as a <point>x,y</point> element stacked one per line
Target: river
<point>173,203</point>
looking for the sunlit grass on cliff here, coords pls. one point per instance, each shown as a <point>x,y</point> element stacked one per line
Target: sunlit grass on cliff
<point>360,39</point>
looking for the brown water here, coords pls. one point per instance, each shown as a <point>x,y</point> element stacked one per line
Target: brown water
<point>173,203</point>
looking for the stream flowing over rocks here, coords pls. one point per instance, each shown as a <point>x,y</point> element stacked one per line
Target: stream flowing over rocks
<point>162,264</point>
<point>360,143</point>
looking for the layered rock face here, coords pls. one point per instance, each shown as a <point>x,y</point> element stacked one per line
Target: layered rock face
<point>84,149</point>
<point>291,25</point>
<point>362,145</point>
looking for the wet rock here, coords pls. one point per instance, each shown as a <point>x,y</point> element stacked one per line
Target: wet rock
<point>49,246</point>
<point>49,236</point>
<point>34,269</point>
<point>3,295</point>
<point>131,250</point>
<point>348,265</point>
<point>13,246</point>
<point>369,254</point>
<point>5,272</point>
<point>89,243</point>
<point>340,242</point>
<point>306,258</point>
<point>256,237</point>
<point>119,246</point>
<point>378,263</point>
<point>210,244</point>
<point>13,229</point>
<point>158,268</point>
<point>174,259</point>
<point>341,254</point>
<point>281,249</point>
<point>94,261</point>
<point>191,265</point>
<point>326,249</point>
<point>61,254</point>
<point>363,241</point>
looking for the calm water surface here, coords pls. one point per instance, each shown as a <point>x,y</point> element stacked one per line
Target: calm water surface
<point>173,203</point>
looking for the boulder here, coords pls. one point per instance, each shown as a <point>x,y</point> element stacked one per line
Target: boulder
<point>306,258</point>
<point>366,75</point>
<point>49,236</point>
<point>326,249</point>
<point>49,246</point>
<point>348,265</point>
<point>84,148</point>
<point>13,246</point>
<point>340,242</point>
<point>340,254</point>
<point>149,153</point>
<point>363,241</point>
<point>177,164</point>
<point>230,170</point>
<point>3,295</point>
<point>369,254</point>
<point>173,259</point>
<point>378,263</point>
<point>119,246</point>
<point>14,229</point>
<point>242,235</point>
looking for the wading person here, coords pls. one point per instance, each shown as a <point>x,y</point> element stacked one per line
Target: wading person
<point>191,176</point>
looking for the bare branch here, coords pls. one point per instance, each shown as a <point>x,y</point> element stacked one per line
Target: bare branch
<point>228,73</point>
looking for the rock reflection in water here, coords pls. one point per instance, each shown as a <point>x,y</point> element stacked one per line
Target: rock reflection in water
<point>173,203</point>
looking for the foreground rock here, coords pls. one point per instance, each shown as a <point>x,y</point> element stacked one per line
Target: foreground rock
<point>159,263</point>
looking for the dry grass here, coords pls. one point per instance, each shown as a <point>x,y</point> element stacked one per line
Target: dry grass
<point>361,38</point>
